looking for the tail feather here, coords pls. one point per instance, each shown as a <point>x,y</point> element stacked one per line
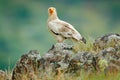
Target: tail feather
<point>84,40</point>
<point>81,40</point>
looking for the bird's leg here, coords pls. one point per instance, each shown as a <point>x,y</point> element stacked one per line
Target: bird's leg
<point>60,39</point>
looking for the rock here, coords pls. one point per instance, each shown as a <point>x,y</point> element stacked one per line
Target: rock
<point>2,75</point>
<point>27,66</point>
<point>107,53</point>
<point>109,40</point>
<point>108,59</point>
<point>82,60</point>
<point>61,48</point>
<point>61,58</point>
<point>31,65</point>
<point>58,57</point>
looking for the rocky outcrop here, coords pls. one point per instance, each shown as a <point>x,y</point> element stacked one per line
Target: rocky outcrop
<point>82,60</point>
<point>108,57</point>
<point>27,66</point>
<point>109,60</point>
<point>31,65</point>
<point>61,58</point>
<point>109,40</point>
<point>58,56</point>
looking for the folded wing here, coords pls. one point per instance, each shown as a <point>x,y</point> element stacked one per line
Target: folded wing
<point>67,30</point>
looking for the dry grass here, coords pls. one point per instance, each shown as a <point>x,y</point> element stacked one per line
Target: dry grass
<point>88,47</point>
<point>79,76</point>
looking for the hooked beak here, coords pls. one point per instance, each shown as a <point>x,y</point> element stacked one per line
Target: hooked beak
<point>50,11</point>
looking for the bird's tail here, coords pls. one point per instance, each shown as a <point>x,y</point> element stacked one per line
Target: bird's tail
<point>83,40</point>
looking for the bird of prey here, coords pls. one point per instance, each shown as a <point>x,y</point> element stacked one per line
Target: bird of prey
<point>61,29</point>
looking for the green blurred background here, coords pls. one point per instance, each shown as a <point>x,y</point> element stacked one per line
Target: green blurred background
<point>23,24</point>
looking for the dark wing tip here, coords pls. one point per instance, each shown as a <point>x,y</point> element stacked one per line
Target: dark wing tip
<point>84,40</point>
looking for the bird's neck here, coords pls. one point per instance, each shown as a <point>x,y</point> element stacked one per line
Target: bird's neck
<point>52,17</point>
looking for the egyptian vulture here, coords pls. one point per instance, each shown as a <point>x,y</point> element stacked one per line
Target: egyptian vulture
<point>61,29</point>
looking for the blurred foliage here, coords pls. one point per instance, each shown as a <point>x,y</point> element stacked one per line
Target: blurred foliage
<point>23,23</point>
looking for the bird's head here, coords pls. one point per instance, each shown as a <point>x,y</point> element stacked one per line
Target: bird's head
<point>51,11</point>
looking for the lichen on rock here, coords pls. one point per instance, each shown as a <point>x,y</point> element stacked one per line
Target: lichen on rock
<point>82,60</point>
<point>58,56</point>
<point>26,67</point>
<point>107,59</point>
<point>61,58</point>
<point>109,40</point>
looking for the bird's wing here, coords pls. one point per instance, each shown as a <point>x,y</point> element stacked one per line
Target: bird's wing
<point>67,30</point>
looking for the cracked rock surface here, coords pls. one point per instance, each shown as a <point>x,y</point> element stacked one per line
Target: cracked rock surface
<point>109,40</point>
<point>62,58</point>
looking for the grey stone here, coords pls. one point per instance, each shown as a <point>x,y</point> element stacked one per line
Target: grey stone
<point>108,59</point>
<point>82,60</point>
<point>58,57</point>
<point>27,66</point>
<point>109,40</point>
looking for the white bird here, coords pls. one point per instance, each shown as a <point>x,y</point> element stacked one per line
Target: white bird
<point>61,29</point>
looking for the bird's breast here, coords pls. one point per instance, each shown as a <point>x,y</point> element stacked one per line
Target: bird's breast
<point>54,26</point>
